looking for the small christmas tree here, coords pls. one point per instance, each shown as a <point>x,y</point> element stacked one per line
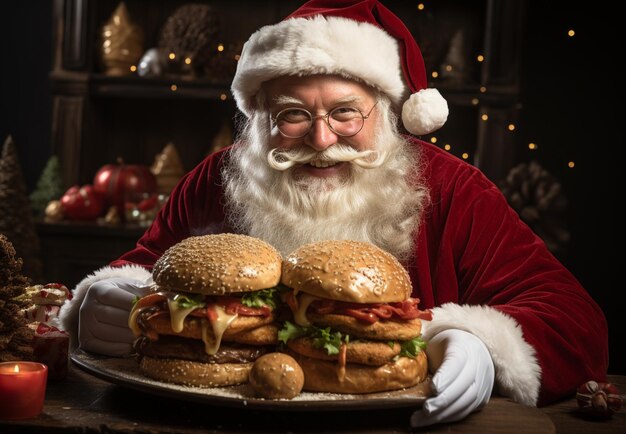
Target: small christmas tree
<point>16,219</point>
<point>49,187</point>
<point>15,335</point>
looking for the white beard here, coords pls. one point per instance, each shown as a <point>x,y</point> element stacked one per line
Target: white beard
<point>378,203</point>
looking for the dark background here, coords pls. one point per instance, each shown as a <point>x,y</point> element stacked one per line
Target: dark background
<point>573,109</point>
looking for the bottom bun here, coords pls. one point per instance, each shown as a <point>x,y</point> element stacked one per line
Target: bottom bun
<point>323,376</point>
<point>197,374</point>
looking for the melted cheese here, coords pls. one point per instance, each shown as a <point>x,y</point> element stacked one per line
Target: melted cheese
<point>341,363</point>
<point>177,321</point>
<point>303,304</point>
<point>178,314</point>
<point>212,343</point>
<point>132,318</point>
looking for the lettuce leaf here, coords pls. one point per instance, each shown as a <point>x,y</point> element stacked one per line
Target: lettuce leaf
<point>265,297</point>
<point>186,301</point>
<point>413,347</point>
<point>322,338</point>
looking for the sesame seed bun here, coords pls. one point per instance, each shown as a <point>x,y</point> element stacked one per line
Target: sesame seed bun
<point>323,376</point>
<point>196,374</point>
<point>344,270</point>
<point>218,264</point>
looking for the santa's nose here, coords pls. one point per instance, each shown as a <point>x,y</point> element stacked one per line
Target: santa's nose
<point>320,136</point>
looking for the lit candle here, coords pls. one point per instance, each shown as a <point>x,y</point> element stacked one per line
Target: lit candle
<point>22,389</point>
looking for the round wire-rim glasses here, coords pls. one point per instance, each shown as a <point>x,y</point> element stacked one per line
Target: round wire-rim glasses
<point>345,121</point>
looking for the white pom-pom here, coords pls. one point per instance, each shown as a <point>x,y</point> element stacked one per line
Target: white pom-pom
<point>424,112</point>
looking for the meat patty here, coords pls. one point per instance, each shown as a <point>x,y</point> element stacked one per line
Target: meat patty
<point>193,349</point>
<point>361,352</point>
<point>380,330</point>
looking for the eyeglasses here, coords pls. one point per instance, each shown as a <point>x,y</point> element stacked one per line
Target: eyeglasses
<point>295,123</point>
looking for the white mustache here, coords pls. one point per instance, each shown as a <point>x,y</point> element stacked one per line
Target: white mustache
<point>283,159</point>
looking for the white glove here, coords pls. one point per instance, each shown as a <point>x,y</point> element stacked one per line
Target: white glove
<point>103,316</point>
<point>463,380</point>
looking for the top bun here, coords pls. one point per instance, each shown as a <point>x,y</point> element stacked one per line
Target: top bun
<point>352,271</point>
<point>218,264</point>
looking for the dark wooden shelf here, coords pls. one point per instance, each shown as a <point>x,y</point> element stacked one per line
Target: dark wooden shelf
<point>101,85</point>
<point>72,250</point>
<point>90,228</point>
<point>161,87</point>
<point>138,87</point>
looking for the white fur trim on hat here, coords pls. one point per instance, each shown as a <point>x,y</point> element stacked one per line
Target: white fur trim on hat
<point>518,374</point>
<point>424,112</point>
<point>319,45</point>
<point>68,315</point>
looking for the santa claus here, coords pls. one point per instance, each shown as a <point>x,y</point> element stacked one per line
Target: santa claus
<point>328,95</point>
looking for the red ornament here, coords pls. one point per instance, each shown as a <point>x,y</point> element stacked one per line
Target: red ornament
<point>82,203</point>
<point>599,400</point>
<point>121,183</point>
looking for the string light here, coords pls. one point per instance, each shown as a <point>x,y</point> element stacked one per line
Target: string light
<point>188,60</point>
<point>173,88</point>
<point>220,47</point>
<point>448,68</point>
<point>223,97</point>
<point>571,164</point>
<point>484,117</point>
<point>465,155</point>
<point>532,146</point>
<point>571,33</point>
<point>433,139</point>
<point>447,147</point>
<point>480,58</point>
<point>475,101</point>
<point>133,68</point>
<point>172,56</point>
<point>435,74</point>
<point>483,89</point>
<point>511,127</point>
<point>420,6</point>
<point>237,56</point>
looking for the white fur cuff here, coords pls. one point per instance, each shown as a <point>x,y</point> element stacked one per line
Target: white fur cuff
<point>68,315</point>
<point>518,373</point>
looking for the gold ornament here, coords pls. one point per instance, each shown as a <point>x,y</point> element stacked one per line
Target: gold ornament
<point>167,168</point>
<point>112,216</point>
<point>121,43</point>
<point>54,211</point>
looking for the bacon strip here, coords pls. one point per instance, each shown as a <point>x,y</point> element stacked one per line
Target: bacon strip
<point>372,312</point>
<point>232,305</point>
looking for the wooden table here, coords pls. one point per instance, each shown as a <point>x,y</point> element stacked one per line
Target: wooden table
<point>82,403</point>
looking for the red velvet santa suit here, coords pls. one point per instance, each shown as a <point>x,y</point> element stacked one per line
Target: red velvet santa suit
<point>475,262</point>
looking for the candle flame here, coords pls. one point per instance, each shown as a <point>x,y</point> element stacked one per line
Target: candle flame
<point>16,368</point>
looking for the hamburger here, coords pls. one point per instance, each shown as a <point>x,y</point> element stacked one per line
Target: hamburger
<point>355,327</point>
<point>211,313</point>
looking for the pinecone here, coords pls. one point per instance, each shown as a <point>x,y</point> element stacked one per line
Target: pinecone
<point>192,31</point>
<point>15,336</point>
<point>537,197</point>
<point>223,64</point>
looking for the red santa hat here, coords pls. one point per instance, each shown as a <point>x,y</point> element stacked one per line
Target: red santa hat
<point>357,39</point>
